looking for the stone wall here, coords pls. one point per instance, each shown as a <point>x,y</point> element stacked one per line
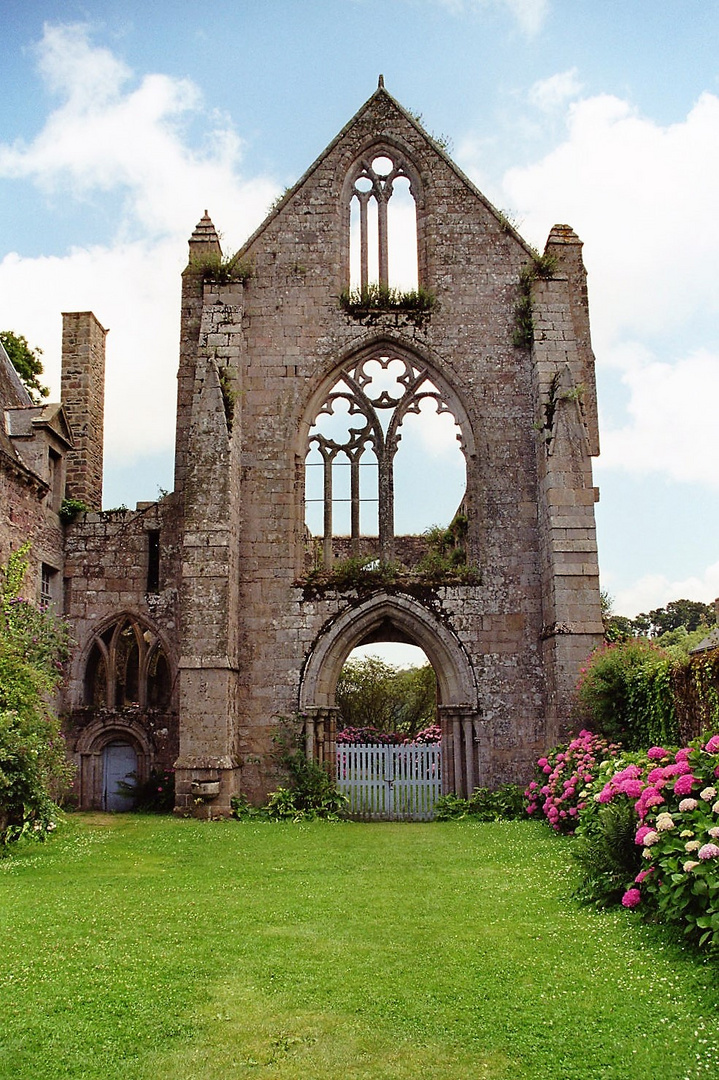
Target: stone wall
<point>279,335</point>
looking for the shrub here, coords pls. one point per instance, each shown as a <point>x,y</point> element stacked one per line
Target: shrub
<point>34,770</point>
<point>505,803</point>
<point>156,795</point>
<point>563,784</point>
<point>679,837</point>
<point>311,792</point>
<point>665,804</point>
<point>625,693</point>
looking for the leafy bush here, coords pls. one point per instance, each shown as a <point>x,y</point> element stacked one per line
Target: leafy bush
<point>156,795</point>
<point>34,770</point>
<point>606,851</point>
<point>665,804</point>
<point>625,693</point>
<point>505,803</point>
<point>310,792</point>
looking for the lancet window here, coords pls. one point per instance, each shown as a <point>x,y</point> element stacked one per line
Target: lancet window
<point>127,666</point>
<point>383,223</point>
<point>353,442</point>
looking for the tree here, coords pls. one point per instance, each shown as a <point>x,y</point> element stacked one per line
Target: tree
<point>688,613</point>
<point>34,769</point>
<point>26,362</point>
<point>371,693</point>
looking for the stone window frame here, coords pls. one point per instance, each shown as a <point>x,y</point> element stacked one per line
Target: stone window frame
<point>105,647</point>
<point>402,159</point>
<point>449,400</point>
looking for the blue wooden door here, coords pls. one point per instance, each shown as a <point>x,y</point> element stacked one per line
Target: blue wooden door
<point>119,763</point>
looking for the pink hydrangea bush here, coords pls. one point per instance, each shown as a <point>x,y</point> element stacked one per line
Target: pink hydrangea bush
<point>646,826</point>
<point>681,861</point>
<point>563,784</point>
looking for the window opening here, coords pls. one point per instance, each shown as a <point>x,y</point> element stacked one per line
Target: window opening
<point>55,493</point>
<point>352,444</point>
<point>46,573</point>
<point>153,561</point>
<point>127,667</point>
<point>383,226</point>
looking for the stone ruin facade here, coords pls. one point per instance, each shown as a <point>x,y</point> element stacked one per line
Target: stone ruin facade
<point>201,619</point>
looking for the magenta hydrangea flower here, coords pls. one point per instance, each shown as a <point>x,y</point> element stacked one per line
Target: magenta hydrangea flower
<point>683,784</point>
<point>632,898</point>
<point>641,833</point>
<point>656,753</point>
<point>631,788</point>
<point>712,747</point>
<point>681,755</point>
<point>708,851</point>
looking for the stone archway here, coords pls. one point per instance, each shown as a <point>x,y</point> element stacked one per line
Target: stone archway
<point>92,750</point>
<point>386,617</point>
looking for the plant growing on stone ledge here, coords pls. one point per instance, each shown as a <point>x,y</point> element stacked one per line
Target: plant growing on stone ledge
<point>229,395</point>
<point>541,266</point>
<point>70,509</point>
<point>224,270</point>
<point>355,572</point>
<point>446,557</point>
<point>366,305</point>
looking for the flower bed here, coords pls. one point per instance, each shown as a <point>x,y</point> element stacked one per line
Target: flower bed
<point>652,814</point>
<point>361,736</point>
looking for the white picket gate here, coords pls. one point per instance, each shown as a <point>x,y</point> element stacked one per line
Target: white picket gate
<point>391,783</point>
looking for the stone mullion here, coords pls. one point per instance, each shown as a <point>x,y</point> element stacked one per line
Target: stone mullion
<point>383,241</point>
<point>355,501</point>
<point>385,462</point>
<point>327,529</point>
<point>364,256</point>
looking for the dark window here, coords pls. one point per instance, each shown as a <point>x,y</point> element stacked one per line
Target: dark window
<point>153,561</point>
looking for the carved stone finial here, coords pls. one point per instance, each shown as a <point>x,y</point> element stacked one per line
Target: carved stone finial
<point>380,83</point>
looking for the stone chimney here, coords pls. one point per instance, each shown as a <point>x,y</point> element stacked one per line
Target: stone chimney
<point>83,396</point>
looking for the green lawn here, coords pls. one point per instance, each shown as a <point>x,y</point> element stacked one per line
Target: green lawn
<point>140,948</point>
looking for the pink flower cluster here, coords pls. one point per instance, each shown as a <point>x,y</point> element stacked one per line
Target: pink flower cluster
<point>566,775</point>
<point>649,787</point>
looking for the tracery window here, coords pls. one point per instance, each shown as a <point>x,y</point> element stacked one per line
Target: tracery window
<point>350,467</point>
<point>127,666</point>
<point>383,223</point>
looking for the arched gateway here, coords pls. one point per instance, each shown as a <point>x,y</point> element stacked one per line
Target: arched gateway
<point>386,617</point>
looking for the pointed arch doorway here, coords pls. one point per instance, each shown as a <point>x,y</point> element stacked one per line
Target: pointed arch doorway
<point>386,617</point>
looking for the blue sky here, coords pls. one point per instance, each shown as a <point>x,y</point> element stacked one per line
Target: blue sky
<point>120,122</point>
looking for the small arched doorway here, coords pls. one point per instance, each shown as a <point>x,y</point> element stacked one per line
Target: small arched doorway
<point>119,767</point>
<point>398,618</point>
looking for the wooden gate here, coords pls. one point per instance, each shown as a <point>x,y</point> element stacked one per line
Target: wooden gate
<point>391,783</point>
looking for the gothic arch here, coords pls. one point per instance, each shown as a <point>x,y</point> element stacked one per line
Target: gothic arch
<point>93,741</point>
<point>354,419</point>
<point>380,189</point>
<point>405,619</point>
<point>99,661</point>
<point>400,618</point>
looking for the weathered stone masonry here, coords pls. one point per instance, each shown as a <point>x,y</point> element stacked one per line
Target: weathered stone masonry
<point>228,633</point>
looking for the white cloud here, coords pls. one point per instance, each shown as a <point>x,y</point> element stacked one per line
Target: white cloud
<point>109,136</point>
<point>529,14</point>
<point>656,590</point>
<point>555,91</point>
<point>672,427</point>
<point>643,197</point>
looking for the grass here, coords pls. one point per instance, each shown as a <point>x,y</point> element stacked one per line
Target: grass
<point>138,947</point>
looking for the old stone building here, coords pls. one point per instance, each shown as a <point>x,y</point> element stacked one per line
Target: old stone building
<point>233,601</point>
